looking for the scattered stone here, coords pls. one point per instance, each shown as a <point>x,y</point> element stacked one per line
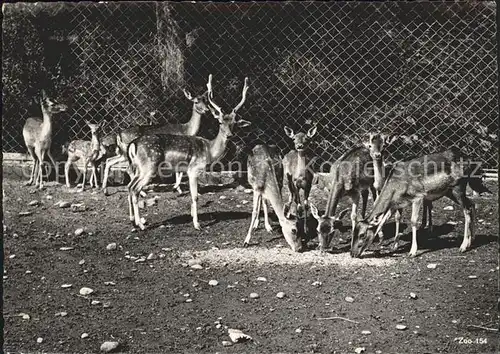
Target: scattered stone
<point>49,197</point>
<point>261,279</point>
<point>12,256</point>
<point>66,248</point>
<point>366,332</point>
<point>86,291</point>
<point>359,350</point>
<point>34,203</point>
<point>25,213</point>
<point>432,265</point>
<point>298,330</point>
<point>78,207</point>
<point>222,197</point>
<point>106,304</point>
<point>82,262</point>
<point>226,343</point>
<point>39,340</point>
<point>253,296</point>
<point>401,327</point>
<point>194,261</point>
<point>79,231</point>
<point>112,246</point>
<point>248,191</point>
<point>189,300</point>
<point>452,223</point>
<point>349,299</point>
<point>151,201</point>
<point>449,207</point>
<point>280,295</point>
<point>244,202</point>
<point>238,336</point>
<point>213,282</point>
<point>472,276</point>
<point>109,346</point>
<point>64,286</point>
<point>25,316</point>
<point>166,249</point>
<point>63,204</point>
<point>151,256</point>
<point>140,260</point>
<point>196,266</point>
<point>62,314</point>
<point>109,283</point>
<point>413,295</point>
<point>28,272</point>
<point>84,335</point>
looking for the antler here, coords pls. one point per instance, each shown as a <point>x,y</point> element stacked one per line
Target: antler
<point>210,95</point>
<point>243,96</point>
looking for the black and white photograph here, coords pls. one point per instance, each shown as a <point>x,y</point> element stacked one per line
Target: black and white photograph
<point>250,177</point>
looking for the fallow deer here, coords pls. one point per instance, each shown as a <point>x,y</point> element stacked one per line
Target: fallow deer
<point>297,171</point>
<point>37,134</point>
<point>430,177</point>
<point>89,152</point>
<point>262,177</point>
<point>180,153</point>
<point>124,137</point>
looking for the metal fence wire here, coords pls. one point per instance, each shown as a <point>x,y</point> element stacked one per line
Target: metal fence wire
<point>424,71</point>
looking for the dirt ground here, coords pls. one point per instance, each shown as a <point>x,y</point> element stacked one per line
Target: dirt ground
<point>164,305</point>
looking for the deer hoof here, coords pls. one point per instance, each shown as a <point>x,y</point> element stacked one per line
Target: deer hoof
<point>269,228</point>
<point>29,183</point>
<point>245,244</point>
<point>412,253</point>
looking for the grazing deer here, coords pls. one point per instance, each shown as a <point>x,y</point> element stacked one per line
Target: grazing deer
<point>430,177</point>
<point>277,161</point>
<point>89,152</point>
<point>262,177</point>
<point>351,176</point>
<point>298,172</point>
<point>124,137</point>
<point>180,153</point>
<point>37,133</point>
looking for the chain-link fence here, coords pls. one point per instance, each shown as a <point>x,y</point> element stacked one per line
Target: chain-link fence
<point>426,72</point>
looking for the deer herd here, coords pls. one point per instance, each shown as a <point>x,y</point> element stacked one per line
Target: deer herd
<point>362,170</point>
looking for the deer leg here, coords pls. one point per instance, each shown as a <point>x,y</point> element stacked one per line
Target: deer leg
<point>193,188</point>
<point>111,162</point>
<point>267,225</point>
<point>66,170</point>
<point>256,222</point>
<point>41,156</point>
<point>49,154</point>
<point>429,212</point>
<point>33,157</point>
<point>85,164</point>
<point>469,211</point>
<point>364,202</point>
<point>178,179</point>
<point>94,173</point>
<point>415,210</point>
<point>307,191</point>
<point>255,215</point>
<point>354,210</point>
<point>397,219</point>
<point>291,191</point>
<point>374,192</point>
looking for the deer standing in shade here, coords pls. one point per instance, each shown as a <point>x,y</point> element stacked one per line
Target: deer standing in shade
<point>37,134</point>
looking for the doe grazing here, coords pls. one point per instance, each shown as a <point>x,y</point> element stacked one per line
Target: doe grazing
<point>124,137</point>
<point>89,152</point>
<point>37,134</point>
<point>262,177</point>
<point>297,171</point>
<point>350,176</point>
<point>180,153</point>
<point>427,178</point>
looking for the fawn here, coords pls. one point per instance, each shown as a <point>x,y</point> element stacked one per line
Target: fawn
<point>88,151</point>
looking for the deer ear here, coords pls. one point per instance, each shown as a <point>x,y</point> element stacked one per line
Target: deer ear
<point>243,123</point>
<point>214,113</point>
<point>312,131</point>
<point>289,132</point>
<point>314,211</point>
<point>342,214</point>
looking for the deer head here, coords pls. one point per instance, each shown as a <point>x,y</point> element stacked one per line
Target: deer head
<point>327,226</point>
<point>300,139</point>
<point>50,105</point>
<point>227,121</point>
<point>364,233</point>
<point>94,127</point>
<point>200,102</point>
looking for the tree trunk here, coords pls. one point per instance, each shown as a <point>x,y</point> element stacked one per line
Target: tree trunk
<point>169,46</point>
